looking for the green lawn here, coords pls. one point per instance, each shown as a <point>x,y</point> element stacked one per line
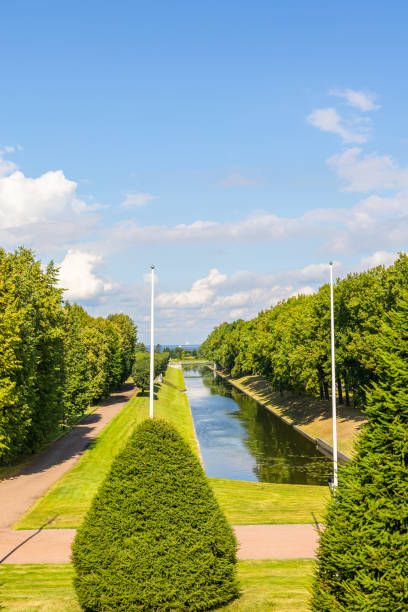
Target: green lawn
<point>266,585</point>
<point>251,503</point>
<point>68,500</point>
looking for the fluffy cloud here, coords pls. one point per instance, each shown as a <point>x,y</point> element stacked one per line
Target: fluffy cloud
<point>79,278</point>
<point>379,258</point>
<point>328,120</point>
<point>25,200</point>
<point>359,99</point>
<point>137,199</point>
<point>238,180</point>
<point>368,172</point>
<point>201,292</point>
<point>43,212</point>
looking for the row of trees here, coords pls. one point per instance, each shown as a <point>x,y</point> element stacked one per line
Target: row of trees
<point>56,359</point>
<point>290,343</point>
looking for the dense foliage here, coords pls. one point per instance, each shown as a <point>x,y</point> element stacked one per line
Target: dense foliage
<point>363,554</point>
<point>290,343</point>
<point>55,358</point>
<point>141,368</point>
<point>155,537</point>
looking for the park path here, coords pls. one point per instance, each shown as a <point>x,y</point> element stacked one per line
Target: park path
<point>17,494</point>
<point>255,542</point>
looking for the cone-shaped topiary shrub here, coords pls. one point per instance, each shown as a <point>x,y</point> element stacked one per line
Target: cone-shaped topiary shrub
<point>363,554</point>
<point>155,537</point>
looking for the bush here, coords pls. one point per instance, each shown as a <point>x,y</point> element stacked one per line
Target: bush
<point>363,554</point>
<point>155,537</point>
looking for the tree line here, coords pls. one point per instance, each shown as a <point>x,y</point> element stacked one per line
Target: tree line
<point>55,359</point>
<point>289,344</point>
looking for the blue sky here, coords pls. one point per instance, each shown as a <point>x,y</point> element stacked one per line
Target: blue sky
<point>239,146</point>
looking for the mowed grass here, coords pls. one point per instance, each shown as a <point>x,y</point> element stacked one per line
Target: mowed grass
<point>67,501</point>
<point>281,585</point>
<point>251,503</point>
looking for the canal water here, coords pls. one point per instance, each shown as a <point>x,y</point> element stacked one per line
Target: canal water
<point>242,440</point>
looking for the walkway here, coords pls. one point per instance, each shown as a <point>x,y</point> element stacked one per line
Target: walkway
<point>255,542</point>
<point>18,494</point>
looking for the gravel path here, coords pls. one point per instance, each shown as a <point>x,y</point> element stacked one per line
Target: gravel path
<point>17,494</point>
<point>255,542</point>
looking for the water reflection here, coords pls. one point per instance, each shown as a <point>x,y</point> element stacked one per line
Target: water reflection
<point>240,439</point>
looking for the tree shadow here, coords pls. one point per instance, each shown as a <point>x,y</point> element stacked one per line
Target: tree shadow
<point>30,537</point>
<point>76,441</point>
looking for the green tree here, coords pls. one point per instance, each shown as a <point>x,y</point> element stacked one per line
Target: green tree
<point>363,554</point>
<point>155,537</point>
<point>32,330</point>
<point>141,374</point>
<point>128,336</point>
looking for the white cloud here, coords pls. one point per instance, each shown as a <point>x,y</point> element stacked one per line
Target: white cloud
<point>364,100</point>
<point>78,276</point>
<point>30,200</point>
<point>328,120</point>
<point>201,292</point>
<point>368,172</point>
<point>42,212</point>
<point>137,199</point>
<point>379,258</point>
<point>238,180</point>
<point>260,226</point>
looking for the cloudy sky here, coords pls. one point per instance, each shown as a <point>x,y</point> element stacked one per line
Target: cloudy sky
<point>238,146</point>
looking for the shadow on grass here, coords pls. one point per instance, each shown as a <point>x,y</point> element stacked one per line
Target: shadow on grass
<point>76,441</point>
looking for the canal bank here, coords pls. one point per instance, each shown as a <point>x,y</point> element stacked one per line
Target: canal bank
<point>309,416</point>
<point>242,440</point>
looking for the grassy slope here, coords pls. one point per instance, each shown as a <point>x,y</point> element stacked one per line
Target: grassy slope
<point>249,503</point>
<point>310,414</point>
<point>266,585</point>
<point>243,502</point>
<point>69,498</point>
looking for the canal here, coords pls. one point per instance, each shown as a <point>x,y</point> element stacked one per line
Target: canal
<point>242,440</point>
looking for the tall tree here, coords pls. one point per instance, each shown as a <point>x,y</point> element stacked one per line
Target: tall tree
<point>363,554</point>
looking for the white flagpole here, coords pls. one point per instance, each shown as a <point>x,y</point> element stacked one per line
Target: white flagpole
<point>333,363</point>
<point>151,348</point>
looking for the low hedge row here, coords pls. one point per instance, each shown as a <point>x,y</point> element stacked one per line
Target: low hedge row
<point>155,537</point>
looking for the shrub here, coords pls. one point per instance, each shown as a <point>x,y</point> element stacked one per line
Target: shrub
<point>363,554</point>
<point>155,537</point>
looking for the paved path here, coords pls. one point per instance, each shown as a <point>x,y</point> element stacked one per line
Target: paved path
<point>255,542</point>
<point>17,494</point>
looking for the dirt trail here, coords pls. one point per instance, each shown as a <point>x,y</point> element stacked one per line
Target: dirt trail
<point>18,493</point>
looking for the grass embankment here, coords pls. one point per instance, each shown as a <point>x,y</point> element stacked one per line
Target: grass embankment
<point>251,503</point>
<point>266,585</point>
<point>244,503</point>
<point>310,414</point>
<point>68,500</point>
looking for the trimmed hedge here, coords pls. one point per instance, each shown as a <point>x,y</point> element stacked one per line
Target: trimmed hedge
<point>155,537</point>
